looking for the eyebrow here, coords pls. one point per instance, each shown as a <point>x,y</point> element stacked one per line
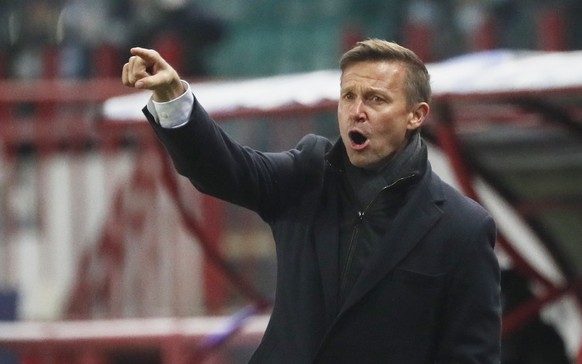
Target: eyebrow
<point>366,90</point>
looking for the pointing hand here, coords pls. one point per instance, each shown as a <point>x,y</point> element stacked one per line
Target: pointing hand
<point>146,69</point>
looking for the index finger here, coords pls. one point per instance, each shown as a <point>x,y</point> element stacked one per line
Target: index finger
<point>148,55</point>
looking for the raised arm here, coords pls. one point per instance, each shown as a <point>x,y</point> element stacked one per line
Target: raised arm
<point>214,162</point>
<point>146,69</point>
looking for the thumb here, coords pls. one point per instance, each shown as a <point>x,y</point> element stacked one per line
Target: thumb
<point>152,82</point>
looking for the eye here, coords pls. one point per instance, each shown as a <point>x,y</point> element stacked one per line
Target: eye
<point>348,96</point>
<point>376,99</point>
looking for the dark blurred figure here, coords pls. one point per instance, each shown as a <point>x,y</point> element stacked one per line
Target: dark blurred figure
<point>31,26</point>
<point>535,342</point>
<point>574,30</point>
<point>154,23</point>
<point>5,12</point>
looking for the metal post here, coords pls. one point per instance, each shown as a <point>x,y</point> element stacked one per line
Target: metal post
<point>551,30</point>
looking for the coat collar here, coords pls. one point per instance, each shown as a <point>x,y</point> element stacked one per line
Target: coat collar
<point>403,169</point>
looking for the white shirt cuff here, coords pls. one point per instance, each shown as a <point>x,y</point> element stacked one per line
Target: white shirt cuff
<point>173,113</point>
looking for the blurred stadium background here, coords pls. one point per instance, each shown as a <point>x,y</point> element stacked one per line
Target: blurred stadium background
<point>106,256</point>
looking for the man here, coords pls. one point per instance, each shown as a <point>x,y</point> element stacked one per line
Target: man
<point>379,261</point>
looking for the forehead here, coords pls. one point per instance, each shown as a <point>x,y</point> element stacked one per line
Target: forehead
<point>385,74</point>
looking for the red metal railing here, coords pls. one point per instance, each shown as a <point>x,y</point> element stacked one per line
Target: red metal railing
<point>66,126</point>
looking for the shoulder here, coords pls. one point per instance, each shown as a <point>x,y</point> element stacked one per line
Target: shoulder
<point>461,214</point>
<point>315,144</point>
<point>454,200</point>
<point>309,153</point>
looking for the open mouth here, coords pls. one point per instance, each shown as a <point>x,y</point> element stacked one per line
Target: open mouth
<point>357,138</point>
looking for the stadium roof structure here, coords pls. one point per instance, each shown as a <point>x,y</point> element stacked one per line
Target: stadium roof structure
<point>492,74</point>
<point>510,124</point>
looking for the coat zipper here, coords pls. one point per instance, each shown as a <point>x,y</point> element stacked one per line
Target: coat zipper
<point>356,232</point>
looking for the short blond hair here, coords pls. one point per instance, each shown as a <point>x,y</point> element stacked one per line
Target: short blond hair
<point>418,80</point>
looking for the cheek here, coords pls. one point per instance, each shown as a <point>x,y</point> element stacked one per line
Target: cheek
<point>342,114</point>
<point>391,132</point>
<point>343,121</point>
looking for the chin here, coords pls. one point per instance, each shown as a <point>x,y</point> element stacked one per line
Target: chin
<point>361,164</point>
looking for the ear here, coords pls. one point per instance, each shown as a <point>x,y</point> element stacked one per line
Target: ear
<point>417,115</point>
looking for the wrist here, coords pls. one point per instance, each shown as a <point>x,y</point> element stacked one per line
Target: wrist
<point>170,92</point>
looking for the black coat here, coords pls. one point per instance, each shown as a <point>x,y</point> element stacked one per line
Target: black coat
<point>430,296</point>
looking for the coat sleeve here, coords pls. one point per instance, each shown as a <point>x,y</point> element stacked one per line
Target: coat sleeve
<point>219,166</point>
<point>472,320</point>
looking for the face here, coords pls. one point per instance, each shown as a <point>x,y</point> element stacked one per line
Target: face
<point>373,113</point>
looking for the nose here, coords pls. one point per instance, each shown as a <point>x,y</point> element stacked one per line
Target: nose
<point>357,110</point>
